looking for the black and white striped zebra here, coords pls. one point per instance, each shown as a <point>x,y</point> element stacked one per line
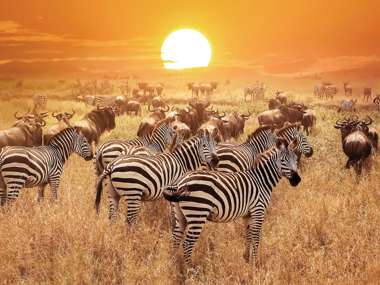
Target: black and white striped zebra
<point>141,178</point>
<point>27,167</point>
<point>223,197</point>
<point>162,136</point>
<point>241,157</point>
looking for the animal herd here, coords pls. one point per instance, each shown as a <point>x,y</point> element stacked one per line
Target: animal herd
<point>183,154</point>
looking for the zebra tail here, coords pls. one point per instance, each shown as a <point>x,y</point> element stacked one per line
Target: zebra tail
<point>172,194</point>
<point>99,189</point>
<point>97,161</point>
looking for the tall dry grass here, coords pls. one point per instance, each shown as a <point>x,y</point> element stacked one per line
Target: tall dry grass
<point>325,231</point>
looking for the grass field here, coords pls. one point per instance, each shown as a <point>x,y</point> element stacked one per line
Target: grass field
<point>325,231</point>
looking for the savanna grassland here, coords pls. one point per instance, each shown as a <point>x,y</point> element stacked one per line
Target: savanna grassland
<point>325,231</point>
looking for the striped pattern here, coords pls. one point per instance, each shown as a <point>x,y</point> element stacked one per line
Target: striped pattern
<point>161,137</point>
<point>142,178</point>
<point>224,197</point>
<point>234,158</point>
<point>26,167</point>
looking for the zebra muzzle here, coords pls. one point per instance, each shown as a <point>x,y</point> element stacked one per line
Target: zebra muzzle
<point>295,179</point>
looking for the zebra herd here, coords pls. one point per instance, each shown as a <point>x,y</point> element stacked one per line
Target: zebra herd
<point>201,179</point>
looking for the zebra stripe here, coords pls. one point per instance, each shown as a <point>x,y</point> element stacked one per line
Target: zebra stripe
<point>233,158</point>
<point>141,178</point>
<point>161,137</point>
<point>224,197</point>
<point>27,167</point>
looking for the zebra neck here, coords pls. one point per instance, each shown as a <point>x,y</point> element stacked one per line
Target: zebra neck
<point>266,171</point>
<point>157,144</point>
<point>187,155</point>
<point>63,148</point>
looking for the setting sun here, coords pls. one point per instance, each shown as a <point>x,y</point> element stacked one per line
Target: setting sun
<point>185,48</point>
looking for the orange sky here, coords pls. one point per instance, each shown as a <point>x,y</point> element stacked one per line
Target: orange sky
<point>275,37</point>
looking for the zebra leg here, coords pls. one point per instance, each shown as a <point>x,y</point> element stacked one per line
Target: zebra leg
<point>193,231</point>
<point>13,192</point>
<point>54,184</point>
<point>133,199</point>
<point>178,227</point>
<point>113,200</point>
<point>253,235</point>
<point>41,193</point>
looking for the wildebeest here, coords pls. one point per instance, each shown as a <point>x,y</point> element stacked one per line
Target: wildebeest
<point>355,141</point>
<point>347,89</point>
<point>376,100</point>
<point>215,125</point>
<point>234,123</point>
<point>148,123</point>
<point>194,88</point>
<point>347,105</point>
<point>308,121</point>
<point>256,91</point>
<point>273,104</point>
<point>157,102</point>
<point>27,131</point>
<point>367,93</point>
<point>281,96</point>
<point>131,107</point>
<point>95,123</point>
<point>279,116</point>
<point>63,122</point>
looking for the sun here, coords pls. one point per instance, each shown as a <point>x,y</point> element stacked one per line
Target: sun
<point>185,48</point>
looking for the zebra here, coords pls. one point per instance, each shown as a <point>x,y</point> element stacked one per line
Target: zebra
<point>162,135</point>
<point>223,197</point>
<point>27,167</point>
<point>141,178</point>
<point>234,158</point>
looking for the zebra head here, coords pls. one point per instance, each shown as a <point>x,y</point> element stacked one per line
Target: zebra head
<point>303,145</point>
<point>287,161</point>
<point>81,146</point>
<point>207,149</point>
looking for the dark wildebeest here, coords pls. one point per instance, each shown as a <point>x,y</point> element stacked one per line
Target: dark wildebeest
<point>194,88</point>
<point>234,124</point>
<point>27,131</point>
<point>273,104</point>
<point>148,123</point>
<point>347,89</point>
<point>376,100</point>
<point>131,107</point>
<point>281,96</point>
<point>95,123</point>
<point>278,117</point>
<point>355,142</point>
<point>63,122</point>
<point>157,102</point>
<point>195,115</point>
<point>215,125</point>
<point>308,121</point>
<point>347,105</point>
<point>367,93</point>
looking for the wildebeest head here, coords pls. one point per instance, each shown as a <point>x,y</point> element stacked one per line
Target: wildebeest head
<point>64,117</point>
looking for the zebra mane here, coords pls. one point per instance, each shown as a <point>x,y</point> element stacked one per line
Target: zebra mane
<point>56,136</point>
<point>257,132</point>
<point>162,122</point>
<point>287,127</point>
<point>264,156</point>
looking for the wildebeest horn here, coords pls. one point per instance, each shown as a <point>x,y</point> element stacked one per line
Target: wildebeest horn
<point>17,117</point>
<point>367,121</point>
<point>150,109</point>
<point>167,108</point>
<point>70,115</point>
<point>54,115</point>
<point>246,116</point>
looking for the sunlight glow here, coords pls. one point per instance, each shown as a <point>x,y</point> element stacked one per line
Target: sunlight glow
<point>185,48</point>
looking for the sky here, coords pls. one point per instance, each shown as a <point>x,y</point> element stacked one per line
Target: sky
<point>277,38</point>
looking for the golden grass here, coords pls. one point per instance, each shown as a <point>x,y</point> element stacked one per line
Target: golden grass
<point>325,231</point>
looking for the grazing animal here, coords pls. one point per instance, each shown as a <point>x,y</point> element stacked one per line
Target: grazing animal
<point>308,121</point>
<point>278,117</point>
<point>27,167</point>
<point>158,102</point>
<point>131,107</point>
<point>63,122</point>
<point>142,178</point>
<point>356,144</point>
<point>27,131</point>
<point>273,104</point>
<point>234,123</point>
<point>148,123</point>
<point>223,197</point>
<point>376,100</point>
<point>347,89</point>
<point>330,91</point>
<point>347,105</point>
<point>161,137</point>
<point>281,96</point>
<point>95,123</point>
<point>367,93</point>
